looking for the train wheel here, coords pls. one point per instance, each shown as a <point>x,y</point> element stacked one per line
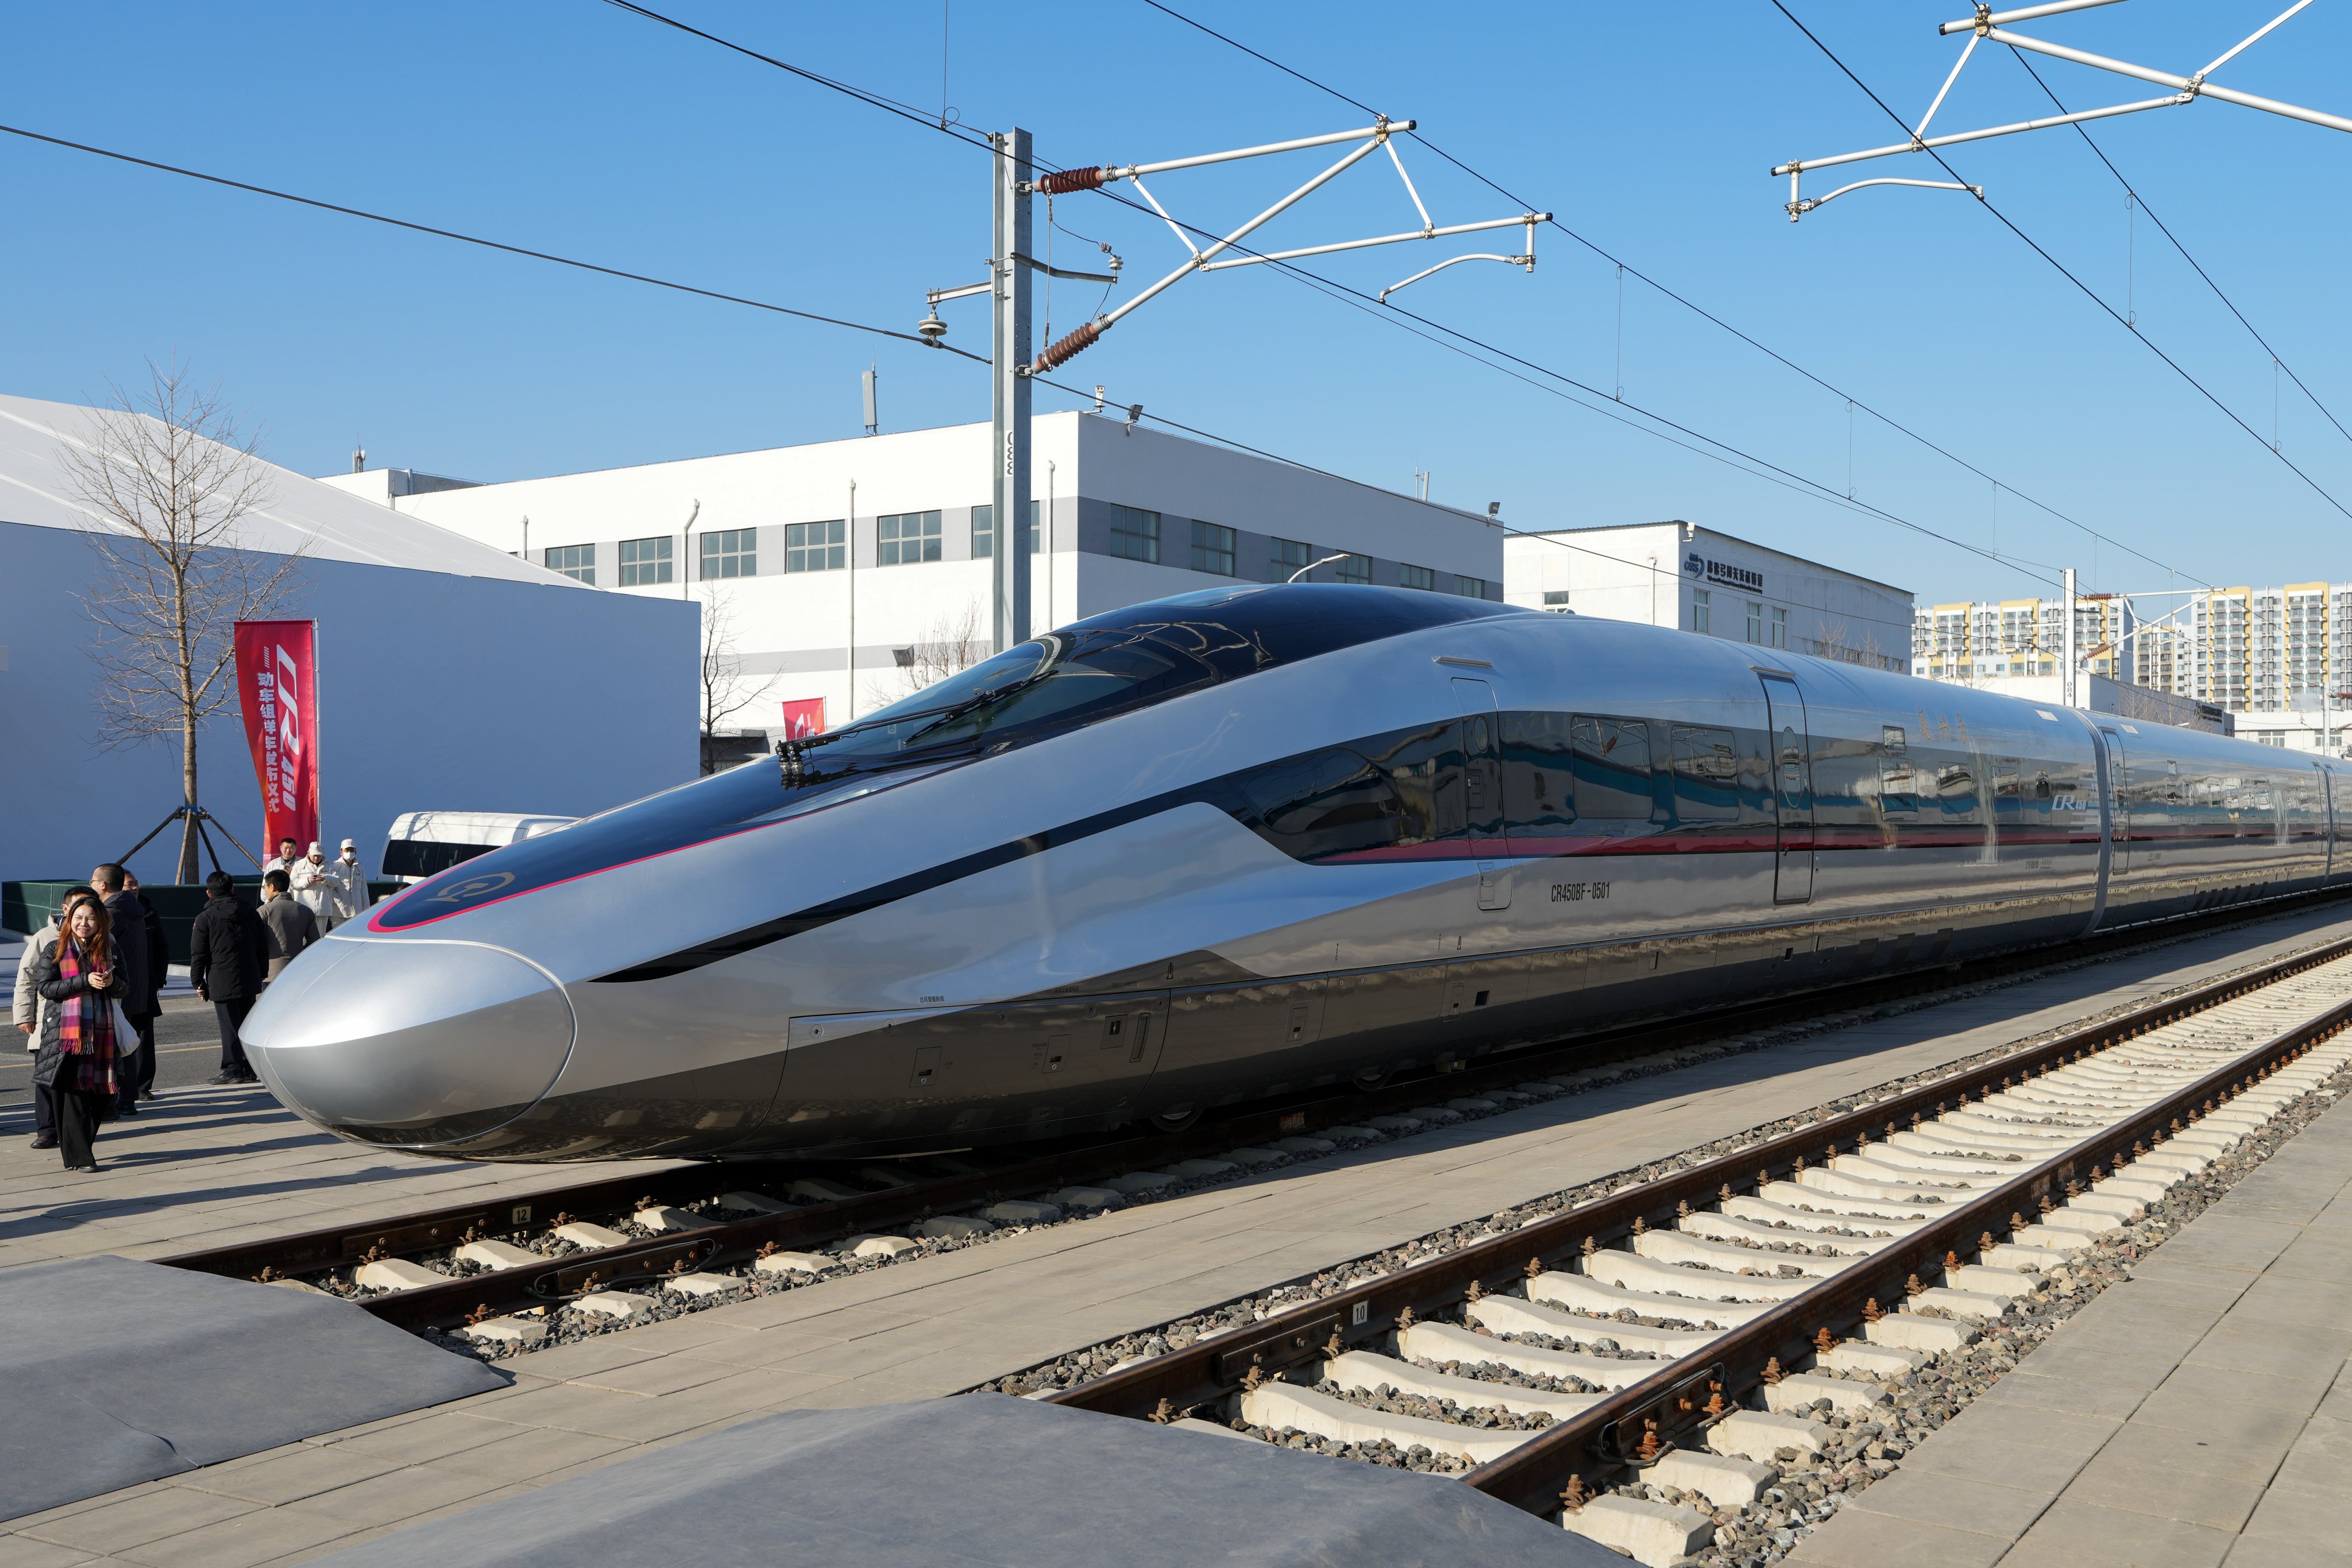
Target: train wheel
<point>1369,1080</point>
<point>1177,1121</point>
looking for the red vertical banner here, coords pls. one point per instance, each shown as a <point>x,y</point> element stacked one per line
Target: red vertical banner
<point>277,687</point>
<point>803,718</point>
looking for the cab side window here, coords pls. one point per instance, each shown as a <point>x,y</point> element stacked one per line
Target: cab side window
<point>1326,803</point>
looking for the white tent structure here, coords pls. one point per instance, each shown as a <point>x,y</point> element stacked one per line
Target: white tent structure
<point>451,677</point>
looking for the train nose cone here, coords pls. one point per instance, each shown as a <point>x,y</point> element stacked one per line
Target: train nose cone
<point>411,1044</point>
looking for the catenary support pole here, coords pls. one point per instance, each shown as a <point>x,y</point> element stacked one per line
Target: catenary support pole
<point>2066,641</point>
<point>1009,351</point>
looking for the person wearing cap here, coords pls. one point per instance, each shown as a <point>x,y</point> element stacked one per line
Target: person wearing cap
<point>355,900</point>
<point>316,882</point>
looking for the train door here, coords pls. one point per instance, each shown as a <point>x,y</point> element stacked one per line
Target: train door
<point>2118,804</point>
<point>1790,747</point>
<point>1482,790</point>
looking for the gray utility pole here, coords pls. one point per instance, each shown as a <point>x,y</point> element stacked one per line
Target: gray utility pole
<point>2066,641</point>
<point>1009,421</point>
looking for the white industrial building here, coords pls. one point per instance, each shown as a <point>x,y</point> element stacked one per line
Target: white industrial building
<point>854,572</point>
<point>450,676</point>
<point>1679,574</point>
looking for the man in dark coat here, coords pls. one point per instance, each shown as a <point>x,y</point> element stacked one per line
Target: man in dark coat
<point>150,1006</point>
<point>128,917</point>
<point>291,924</point>
<point>225,960</point>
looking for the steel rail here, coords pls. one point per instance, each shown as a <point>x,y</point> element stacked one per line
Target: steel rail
<point>1605,1439</point>
<point>445,1306</point>
<point>1532,1476</point>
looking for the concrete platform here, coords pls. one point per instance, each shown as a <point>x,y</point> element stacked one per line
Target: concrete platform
<point>2199,1414</point>
<point>207,1166</point>
<point>984,1482</point>
<point>947,1322</point>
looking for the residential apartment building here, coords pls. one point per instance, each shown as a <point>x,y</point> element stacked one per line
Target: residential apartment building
<point>1969,643</point>
<point>2278,660</point>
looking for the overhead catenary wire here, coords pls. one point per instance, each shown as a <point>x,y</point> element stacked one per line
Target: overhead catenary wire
<point>1626,267</point>
<point>486,243</point>
<point>712,294</point>
<point>1759,466</point>
<point>2087,291</point>
<point>2164,229</point>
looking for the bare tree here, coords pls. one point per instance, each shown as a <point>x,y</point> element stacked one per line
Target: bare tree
<point>171,480</point>
<point>951,644</point>
<point>726,690</point>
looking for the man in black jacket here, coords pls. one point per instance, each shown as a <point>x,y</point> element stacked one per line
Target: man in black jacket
<point>149,1008</point>
<point>225,949</point>
<point>128,918</point>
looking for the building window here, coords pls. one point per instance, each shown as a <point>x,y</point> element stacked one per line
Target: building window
<point>1291,556</point>
<point>1470,587</point>
<point>577,562</point>
<point>813,546</point>
<point>1134,533</point>
<point>1702,612</point>
<point>1213,548</point>
<point>1779,627</point>
<point>644,561</point>
<point>1416,577</point>
<point>983,532</point>
<point>731,553</point>
<point>1754,622</point>
<point>906,538</point>
<point>1556,599</point>
<point>1352,569</point>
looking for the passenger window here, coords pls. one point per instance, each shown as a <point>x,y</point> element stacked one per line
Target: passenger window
<point>1955,792</point>
<point>1538,775</point>
<point>1612,770</point>
<point>1327,804</point>
<point>1707,775</point>
<point>1899,788</point>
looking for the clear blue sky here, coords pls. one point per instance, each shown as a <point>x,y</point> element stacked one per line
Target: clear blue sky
<point>571,126</point>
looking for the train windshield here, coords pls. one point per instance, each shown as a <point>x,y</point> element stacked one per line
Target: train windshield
<point>1131,659</point>
<point>1098,668</point>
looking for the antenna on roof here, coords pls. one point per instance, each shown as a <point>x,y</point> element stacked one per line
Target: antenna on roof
<point>358,456</point>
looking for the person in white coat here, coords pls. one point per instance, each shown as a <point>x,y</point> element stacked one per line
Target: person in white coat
<point>354,900</point>
<point>317,883</point>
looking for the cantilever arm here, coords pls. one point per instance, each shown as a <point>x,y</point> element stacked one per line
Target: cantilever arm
<point>1526,261</point>
<point>1799,207</point>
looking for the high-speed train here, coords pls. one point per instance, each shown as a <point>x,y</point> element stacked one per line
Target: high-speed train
<point>1210,847</point>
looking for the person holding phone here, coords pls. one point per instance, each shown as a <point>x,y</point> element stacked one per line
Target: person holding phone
<point>80,980</point>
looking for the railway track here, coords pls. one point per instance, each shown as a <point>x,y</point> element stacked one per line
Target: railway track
<point>497,1271</point>
<point>1700,1333</point>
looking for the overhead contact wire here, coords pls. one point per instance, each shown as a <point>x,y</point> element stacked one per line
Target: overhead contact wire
<point>2018,55</point>
<point>1688,304</point>
<point>2089,292</point>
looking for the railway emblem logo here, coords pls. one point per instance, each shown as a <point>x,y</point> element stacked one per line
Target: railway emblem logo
<point>466,887</point>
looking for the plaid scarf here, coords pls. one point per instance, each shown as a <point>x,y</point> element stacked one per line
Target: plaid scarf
<point>85,1025</point>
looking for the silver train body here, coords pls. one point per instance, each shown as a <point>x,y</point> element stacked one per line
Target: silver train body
<point>1417,829</point>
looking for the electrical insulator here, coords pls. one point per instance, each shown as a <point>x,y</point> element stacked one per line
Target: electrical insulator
<point>1062,182</point>
<point>1068,348</point>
